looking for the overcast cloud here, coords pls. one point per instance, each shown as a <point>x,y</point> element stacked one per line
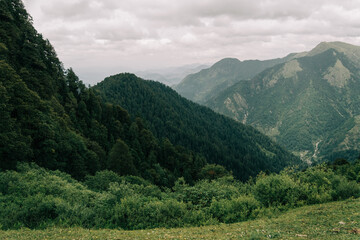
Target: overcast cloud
<point>102,37</point>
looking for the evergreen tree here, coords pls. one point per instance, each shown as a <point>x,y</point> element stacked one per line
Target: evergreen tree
<point>120,159</point>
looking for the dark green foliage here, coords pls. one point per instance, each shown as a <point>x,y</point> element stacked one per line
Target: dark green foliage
<point>213,171</point>
<point>48,116</point>
<point>223,141</point>
<point>101,180</point>
<point>351,173</point>
<point>120,159</point>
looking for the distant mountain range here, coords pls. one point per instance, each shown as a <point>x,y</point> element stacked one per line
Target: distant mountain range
<point>309,103</point>
<point>172,75</point>
<point>201,86</point>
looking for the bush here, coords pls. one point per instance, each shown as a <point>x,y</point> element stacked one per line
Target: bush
<point>37,198</point>
<point>343,189</point>
<point>316,183</point>
<point>101,180</point>
<point>204,192</point>
<point>142,213</point>
<point>275,190</point>
<point>213,171</point>
<point>234,210</point>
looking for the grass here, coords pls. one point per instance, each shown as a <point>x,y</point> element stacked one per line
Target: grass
<point>336,220</point>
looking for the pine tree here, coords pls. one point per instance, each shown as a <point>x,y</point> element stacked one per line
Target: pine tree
<point>120,159</point>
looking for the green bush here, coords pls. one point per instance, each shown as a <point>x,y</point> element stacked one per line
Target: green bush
<point>316,183</point>
<point>101,180</point>
<point>140,213</point>
<point>204,192</point>
<point>37,198</point>
<point>213,171</point>
<point>343,188</point>
<point>276,189</point>
<point>321,184</point>
<point>234,210</point>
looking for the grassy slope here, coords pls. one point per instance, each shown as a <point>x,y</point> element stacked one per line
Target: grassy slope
<point>336,220</point>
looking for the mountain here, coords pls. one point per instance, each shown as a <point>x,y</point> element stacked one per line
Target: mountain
<point>200,87</point>
<point>309,104</point>
<point>49,117</point>
<point>221,140</point>
<point>171,76</point>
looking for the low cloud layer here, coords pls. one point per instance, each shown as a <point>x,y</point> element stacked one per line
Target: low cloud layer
<point>102,37</point>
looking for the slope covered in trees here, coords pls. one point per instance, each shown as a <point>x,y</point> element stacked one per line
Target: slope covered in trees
<point>239,148</point>
<point>49,117</point>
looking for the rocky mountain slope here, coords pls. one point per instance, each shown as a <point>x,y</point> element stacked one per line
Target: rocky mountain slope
<point>309,104</point>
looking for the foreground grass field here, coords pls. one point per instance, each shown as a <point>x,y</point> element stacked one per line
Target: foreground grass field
<point>337,220</point>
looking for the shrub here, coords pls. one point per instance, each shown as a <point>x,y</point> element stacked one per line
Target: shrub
<point>101,180</point>
<point>35,197</point>
<point>204,192</point>
<point>276,190</point>
<point>213,171</point>
<point>234,210</point>
<point>316,184</point>
<point>343,189</point>
<point>140,213</point>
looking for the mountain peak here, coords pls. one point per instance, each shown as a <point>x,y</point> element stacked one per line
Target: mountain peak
<point>351,51</point>
<point>226,61</point>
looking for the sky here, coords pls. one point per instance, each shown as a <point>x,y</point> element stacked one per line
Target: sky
<point>98,38</point>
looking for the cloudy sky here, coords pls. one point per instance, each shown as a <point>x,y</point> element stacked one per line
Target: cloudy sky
<point>102,37</point>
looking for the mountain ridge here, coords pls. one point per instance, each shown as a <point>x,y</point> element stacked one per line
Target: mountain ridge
<point>298,92</point>
<point>221,140</point>
<point>200,87</point>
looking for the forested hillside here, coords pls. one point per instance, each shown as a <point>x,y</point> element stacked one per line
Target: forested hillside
<point>309,104</point>
<point>49,117</point>
<point>240,148</point>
